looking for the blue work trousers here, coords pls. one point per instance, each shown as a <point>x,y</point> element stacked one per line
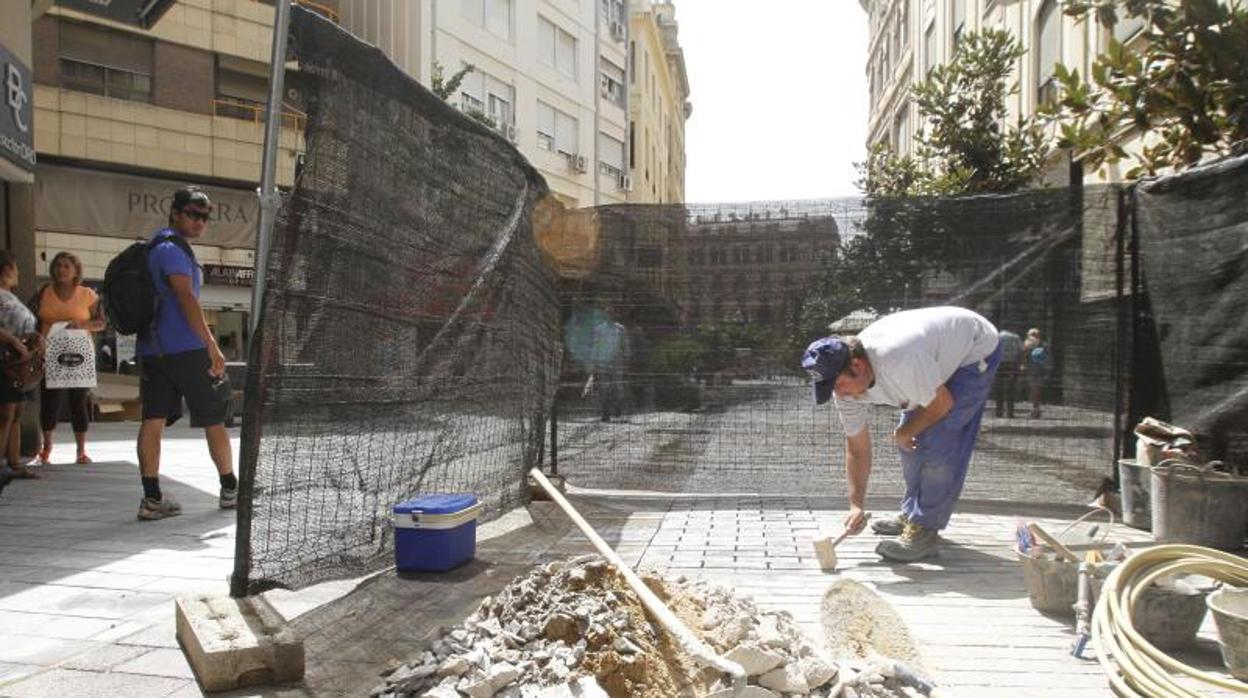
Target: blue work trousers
<point>935,471</point>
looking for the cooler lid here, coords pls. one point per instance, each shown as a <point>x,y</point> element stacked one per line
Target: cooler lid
<point>436,503</point>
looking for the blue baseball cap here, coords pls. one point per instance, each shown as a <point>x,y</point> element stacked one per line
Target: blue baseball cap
<point>824,359</point>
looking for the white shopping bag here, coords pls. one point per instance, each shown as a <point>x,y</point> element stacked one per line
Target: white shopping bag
<point>69,359</point>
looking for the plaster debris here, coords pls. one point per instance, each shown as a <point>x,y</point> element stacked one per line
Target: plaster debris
<point>573,629</point>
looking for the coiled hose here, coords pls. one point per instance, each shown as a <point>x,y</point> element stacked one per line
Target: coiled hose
<point>1134,666</point>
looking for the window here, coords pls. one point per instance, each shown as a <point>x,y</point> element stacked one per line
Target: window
<point>901,131</point>
<point>632,144</point>
<point>1127,27</point>
<point>556,48</point>
<point>1047,39</point>
<point>929,48</point>
<point>612,11</point>
<point>487,94</point>
<point>959,22</point>
<point>556,131</point>
<point>610,155</point>
<point>493,15</point>
<point>105,63</point>
<point>904,21</point>
<point>612,82</point>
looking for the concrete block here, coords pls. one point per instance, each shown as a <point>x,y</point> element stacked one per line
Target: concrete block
<point>231,643</point>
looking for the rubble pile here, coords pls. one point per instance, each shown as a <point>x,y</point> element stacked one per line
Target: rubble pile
<point>574,628</point>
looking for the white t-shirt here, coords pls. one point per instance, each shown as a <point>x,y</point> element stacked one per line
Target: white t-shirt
<point>913,353</point>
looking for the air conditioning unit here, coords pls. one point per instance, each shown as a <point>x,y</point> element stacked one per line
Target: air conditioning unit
<point>507,130</point>
<point>625,182</point>
<point>577,163</point>
<point>617,31</point>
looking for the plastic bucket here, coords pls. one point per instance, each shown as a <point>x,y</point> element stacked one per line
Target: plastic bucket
<point>1200,507</point>
<point>1170,617</point>
<point>1230,614</point>
<point>1135,480</point>
<point>1053,585</point>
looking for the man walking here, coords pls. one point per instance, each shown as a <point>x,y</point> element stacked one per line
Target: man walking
<point>937,366</point>
<point>1005,387</point>
<point>179,357</point>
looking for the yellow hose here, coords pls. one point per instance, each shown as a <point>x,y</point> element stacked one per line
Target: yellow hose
<point>1134,666</point>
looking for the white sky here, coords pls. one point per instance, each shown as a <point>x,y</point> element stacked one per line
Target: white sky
<point>779,94</point>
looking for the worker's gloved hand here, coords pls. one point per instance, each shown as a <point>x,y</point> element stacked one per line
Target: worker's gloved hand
<point>855,521</point>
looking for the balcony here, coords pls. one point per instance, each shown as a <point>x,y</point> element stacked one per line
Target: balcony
<point>253,111</point>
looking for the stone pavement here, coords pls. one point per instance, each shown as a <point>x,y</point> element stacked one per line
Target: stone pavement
<point>86,591</point>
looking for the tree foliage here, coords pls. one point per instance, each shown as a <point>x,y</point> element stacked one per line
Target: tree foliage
<point>1185,88</point>
<point>445,88</point>
<point>963,146</point>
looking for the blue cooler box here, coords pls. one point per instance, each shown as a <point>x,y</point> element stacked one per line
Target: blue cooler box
<point>435,532</point>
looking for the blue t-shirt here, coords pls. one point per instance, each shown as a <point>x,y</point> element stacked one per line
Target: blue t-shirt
<point>173,332</point>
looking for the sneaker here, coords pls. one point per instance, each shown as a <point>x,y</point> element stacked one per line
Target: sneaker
<point>890,527</point>
<point>152,509</point>
<point>228,498</point>
<point>915,543</point>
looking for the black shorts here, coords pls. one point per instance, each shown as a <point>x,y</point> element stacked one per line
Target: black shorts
<point>10,395</point>
<point>165,380</point>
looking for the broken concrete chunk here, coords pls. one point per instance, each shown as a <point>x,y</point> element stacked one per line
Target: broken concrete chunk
<point>454,666</point>
<point>754,660</point>
<point>816,671</point>
<point>786,679</point>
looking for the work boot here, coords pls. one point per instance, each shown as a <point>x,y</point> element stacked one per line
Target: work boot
<point>890,527</point>
<point>915,543</point>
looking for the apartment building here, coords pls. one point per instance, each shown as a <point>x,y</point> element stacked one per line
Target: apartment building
<point>553,76</point>
<point>659,105</point>
<point>755,264</point>
<point>909,37</point>
<point>125,115</point>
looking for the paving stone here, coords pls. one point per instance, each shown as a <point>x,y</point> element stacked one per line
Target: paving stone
<point>105,658</point>
<point>90,684</point>
<point>159,662</point>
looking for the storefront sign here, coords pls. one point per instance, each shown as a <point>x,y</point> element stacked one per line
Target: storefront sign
<point>228,276</point>
<point>143,13</point>
<point>90,202</point>
<point>17,137</point>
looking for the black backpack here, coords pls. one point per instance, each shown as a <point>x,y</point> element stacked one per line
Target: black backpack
<point>128,293</point>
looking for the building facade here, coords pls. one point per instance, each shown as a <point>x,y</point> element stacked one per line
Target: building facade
<point>909,37</point>
<point>125,115</point>
<point>555,77</point>
<point>755,265</point>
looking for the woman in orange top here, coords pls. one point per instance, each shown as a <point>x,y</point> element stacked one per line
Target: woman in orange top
<point>65,299</point>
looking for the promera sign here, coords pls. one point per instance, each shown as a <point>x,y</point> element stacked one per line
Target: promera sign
<point>16,112</point>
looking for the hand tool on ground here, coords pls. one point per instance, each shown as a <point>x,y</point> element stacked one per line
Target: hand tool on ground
<point>1083,608</point>
<point>825,548</point>
<point>1043,536</point>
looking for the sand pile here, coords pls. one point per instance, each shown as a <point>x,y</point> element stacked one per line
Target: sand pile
<point>574,628</point>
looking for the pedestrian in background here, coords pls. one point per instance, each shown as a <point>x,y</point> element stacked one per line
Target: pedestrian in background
<point>180,358</point>
<point>65,299</point>
<point>16,324</point>
<point>1035,366</point>
<point>1006,385</point>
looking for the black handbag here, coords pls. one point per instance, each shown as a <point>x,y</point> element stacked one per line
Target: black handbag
<point>24,374</point>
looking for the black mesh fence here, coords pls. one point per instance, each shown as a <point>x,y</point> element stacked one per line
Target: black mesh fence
<point>409,339</point>
<point>681,372</point>
<point>436,322</point>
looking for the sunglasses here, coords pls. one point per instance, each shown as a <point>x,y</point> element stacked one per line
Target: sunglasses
<point>196,215</point>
